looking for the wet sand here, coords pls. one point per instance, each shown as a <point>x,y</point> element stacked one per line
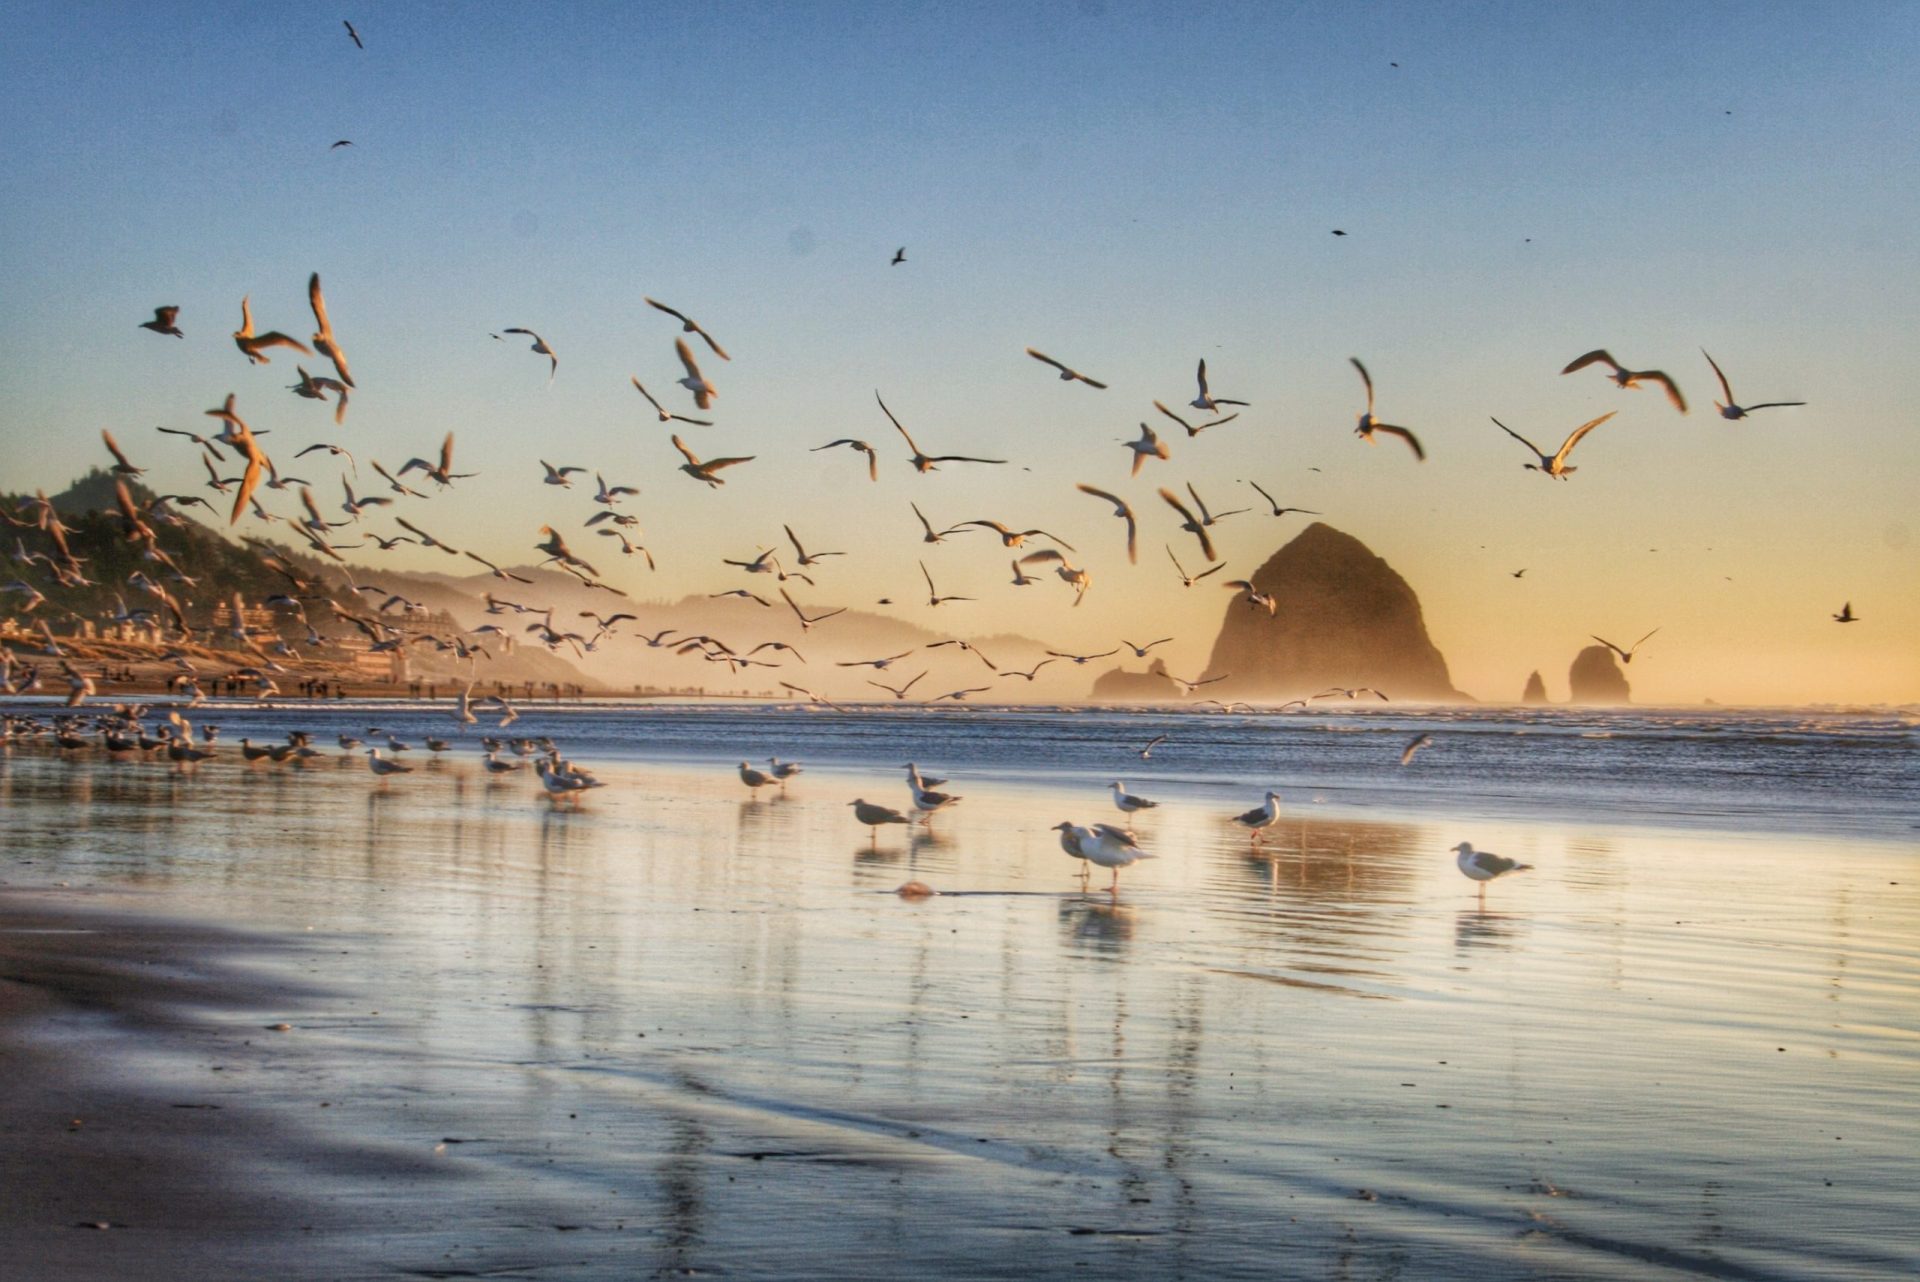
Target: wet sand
<point>691,1031</point>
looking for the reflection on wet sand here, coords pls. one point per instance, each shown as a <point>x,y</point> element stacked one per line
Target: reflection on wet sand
<point>689,1024</point>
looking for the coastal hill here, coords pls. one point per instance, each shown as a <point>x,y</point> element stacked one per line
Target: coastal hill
<point>1595,677</point>
<point>1345,618</point>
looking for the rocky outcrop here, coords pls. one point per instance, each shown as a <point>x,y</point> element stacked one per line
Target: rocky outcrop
<point>1536,691</point>
<point>1343,618</point>
<point>1595,677</point>
<point>1135,687</point>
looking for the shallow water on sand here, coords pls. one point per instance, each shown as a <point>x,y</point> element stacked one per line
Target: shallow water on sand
<point>686,1029</point>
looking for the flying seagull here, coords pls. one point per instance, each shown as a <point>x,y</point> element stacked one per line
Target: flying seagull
<point>1066,375</point>
<point>662,411</point>
<point>1188,523</point>
<point>1626,655</point>
<point>352,34</point>
<point>323,340</point>
<point>1188,580</point>
<point>163,321</point>
<point>1121,510</point>
<point>1369,425</point>
<point>1555,465</point>
<point>254,346</point>
<point>1629,377</point>
<point>1149,445</point>
<point>1846,614</point>
<point>690,326</point>
<point>873,459</point>
<point>1731,411</point>
<point>705,471</point>
<point>1275,505</point>
<point>899,256</point>
<point>1191,429</point>
<point>923,462</point>
<point>541,346</point>
<point>1206,400</point>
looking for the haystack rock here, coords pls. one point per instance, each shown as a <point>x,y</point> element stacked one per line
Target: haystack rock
<point>1536,691</point>
<point>1596,678</point>
<point>1134,687</point>
<point>1345,619</point>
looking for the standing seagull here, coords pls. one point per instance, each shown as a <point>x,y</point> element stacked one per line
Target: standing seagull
<point>1206,400</point>
<point>873,816</point>
<point>1127,803</point>
<point>1066,375</point>
<point>1261,817</point>
<point>1483,866</point>
<point>541,346</point>
<point>1732,411</point>
<point>1629,377</point>
<point>162,322</point>
<point>1555,465</point>
<point>1369,424</point>
<point>1626,655</point>
<point>1110,847</point>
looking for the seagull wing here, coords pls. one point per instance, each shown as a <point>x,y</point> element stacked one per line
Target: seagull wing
<point>1597,354</point>
<point>692,459</point>
<point>1725,390</point>
<point>895,422</point>
<point>1574,439</point>
<point>1673,390</point>
<point>1412,441</point>
<point>1529,444</point>
<point>1121,510</point>
<point>1191,429</point>
<point>1364,378</point>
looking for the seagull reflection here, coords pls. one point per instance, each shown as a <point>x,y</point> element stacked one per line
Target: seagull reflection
<point>1097,924</point>
<point>1477,928</point>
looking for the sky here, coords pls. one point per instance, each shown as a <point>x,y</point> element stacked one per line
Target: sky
<point>1127,187</point>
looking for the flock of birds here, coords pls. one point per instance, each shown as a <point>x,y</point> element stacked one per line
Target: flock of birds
<point>122,734</point>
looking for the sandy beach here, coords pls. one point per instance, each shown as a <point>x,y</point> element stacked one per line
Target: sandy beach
<point>691,1030</point>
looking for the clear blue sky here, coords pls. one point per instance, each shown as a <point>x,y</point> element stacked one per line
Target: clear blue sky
<point>1128,187</point>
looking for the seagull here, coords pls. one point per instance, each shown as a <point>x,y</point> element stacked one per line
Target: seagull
<point>1148,446</point>
<point>1079,579</point>
<point>541,346</point>
<point>1729,411</point>
<point>806,557</point>
<point>1414,745</point>
<point>1140,651</point>
<point>1209,518</point>
<point>1083,659</point>
<point>344,142</point>
<point>689,326</point>
<point>1030,673</point>
<point>705,471</point>
<point>922,462</point>
<point>1121,510</point>
<point>662,411</point>
<point>960,696</point>
<point>695,381</point>
<point>970,648</point>
<point>323,340</point>
<point>1188,580</point>
<point>209,444</point>
<point>1196,528</point>
<point>873,459</point>
<point>1146,753</point>
<point>352,34</point>
<point>1344,693</point>
<point>499,573</point>
<point>933,593</point>
<point>1188,687</point>
<point>1070,842</point>
<point>121,467</point>
<point>316,389</point>
<point>1261,817</point>
<point>1110,847</point>
<point>899,256</point>
<point>381,767</point>
<point>1066,375</point>
<point>754,778</point>
<point>1846,614</point>
<point>426,540</point>
<point>1207,400</point>
<point>1630,377</point>
<point>393,482</point>
<point>163,321</point>
<point>441,473</point>
<point>874,816</point>
<point>254,346</point>
<point>1626,655</point>
<point>925,799</point>
<point>1256,599</point>
<point>558,475</point>
<point>1191,429</point>
<point>1274,504</point>
<point>241,438</point>
<point>1369,425</point>
<point>1014,538</point>
<point>1127,802</point>
<point>1555,465</point>
<point>878,665</point>
<point>1483,866</point>
<point>806,620</point>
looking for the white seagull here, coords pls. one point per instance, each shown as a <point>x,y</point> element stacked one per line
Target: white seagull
<point>1483,866</point>
<point>1261,817</point>
<point>1555,465</point>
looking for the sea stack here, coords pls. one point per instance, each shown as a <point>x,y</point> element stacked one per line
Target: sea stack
<point>1135,687</point>
<point>1536,691</point>
<point>1345,618</point>
<point>1595,677</point>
